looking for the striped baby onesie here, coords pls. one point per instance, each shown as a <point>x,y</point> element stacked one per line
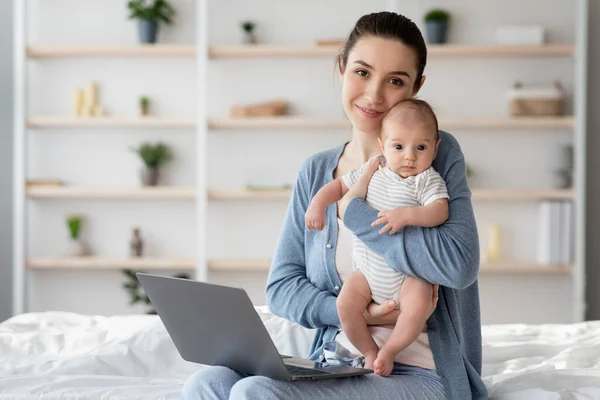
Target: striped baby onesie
<point>388,190</point>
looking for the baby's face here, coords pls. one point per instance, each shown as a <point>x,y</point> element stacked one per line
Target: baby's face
<point>409,149</point>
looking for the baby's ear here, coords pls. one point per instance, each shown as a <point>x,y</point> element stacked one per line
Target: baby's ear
<point>437,146</point>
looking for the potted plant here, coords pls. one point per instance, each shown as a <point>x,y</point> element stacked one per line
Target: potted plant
<point>76,247</point>
<point>248,29</point>
<point>149,14</point>
<point>135,291</point>
<point>470,174</point>
<point>436,23</point>
<point>154,156</point>
<point>144,105</point>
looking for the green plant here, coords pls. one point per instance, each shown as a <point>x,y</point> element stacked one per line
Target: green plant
<point>157,10</point>
<point>470,171</point>
<point>135,291</point>
<point>248,26</point>
<point>74,224</point>
<point>144,102</point>
<point>437,15</point>
<point>154,155</point>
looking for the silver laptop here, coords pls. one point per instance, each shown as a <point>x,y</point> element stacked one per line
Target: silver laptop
<point>218,325</point>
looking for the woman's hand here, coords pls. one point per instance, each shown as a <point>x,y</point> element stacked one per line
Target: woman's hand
<point>387,314</point>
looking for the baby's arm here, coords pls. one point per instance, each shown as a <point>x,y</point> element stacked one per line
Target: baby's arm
<point>433,214</point>
<point>433,197</point>
<point>327,195</point>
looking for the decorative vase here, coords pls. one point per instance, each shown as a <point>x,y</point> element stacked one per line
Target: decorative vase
<point>436,32</point>
<point>76,248</point>
<point>148,30</point>
<point>136,245</point>
<point>150,176</point>
<point>249,38</point>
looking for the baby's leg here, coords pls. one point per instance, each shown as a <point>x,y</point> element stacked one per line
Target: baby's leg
<point>415,306</point>
<point>351,304</point>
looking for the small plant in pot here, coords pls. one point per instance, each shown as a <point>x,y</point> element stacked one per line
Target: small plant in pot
<point>436,23</point>
<point>154,156</point>
<point>76,247</point>
<point>248,29</point>
<point>135,291</point>
<point>144,105</point>
<point>149,14</point>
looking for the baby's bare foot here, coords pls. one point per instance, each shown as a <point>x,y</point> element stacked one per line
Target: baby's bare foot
<point>370,359</point>
<point>384,363</point>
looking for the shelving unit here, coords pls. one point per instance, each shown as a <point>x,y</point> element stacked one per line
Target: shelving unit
<point>450,50</point>
<point>294,122</point>
<point>50,122</point>
<point>268,50</point>
<point>546,123</point>
<point>158,50</point>
<point>202,126</point>
<point>248,264</point>
<point>109,263</point>
<point>67,192</point>
<point>227,194</point>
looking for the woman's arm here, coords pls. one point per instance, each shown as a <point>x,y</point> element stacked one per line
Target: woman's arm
<point>447,255</point>
<point>289,292</point>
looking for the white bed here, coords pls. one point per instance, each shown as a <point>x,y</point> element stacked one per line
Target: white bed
<point>57,355</point>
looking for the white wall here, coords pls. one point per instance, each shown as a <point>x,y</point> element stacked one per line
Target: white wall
<point>456,87</point>
<point>6,143</point>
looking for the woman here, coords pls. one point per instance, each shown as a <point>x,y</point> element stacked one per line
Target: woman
<point>381,64</point>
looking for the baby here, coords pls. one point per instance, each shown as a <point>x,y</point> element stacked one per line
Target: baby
<point>407,191</point>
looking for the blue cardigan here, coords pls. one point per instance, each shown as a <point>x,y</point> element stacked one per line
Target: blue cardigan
<point>303,283</point>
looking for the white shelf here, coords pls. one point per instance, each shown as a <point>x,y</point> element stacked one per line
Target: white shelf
<point>287,122</point>
<point>274,50</point>
<point>291,122</point>
<point>226,194</point>
<point>482,123</point>
<point>41,122</point>
<point>521,194</point>
<point>155,50</point>
<point>109,263</point>
<point>68,192</point>
<point>239,264</point>
<point>95,263</point>
<point>517,267</point>
<point>449,50</point>
<point>245,194</point>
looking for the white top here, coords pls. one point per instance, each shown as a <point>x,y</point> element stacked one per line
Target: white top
<point>388,190</point>
<point>418,352</point>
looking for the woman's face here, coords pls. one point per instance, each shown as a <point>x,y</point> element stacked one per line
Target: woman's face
<point>379,74</point>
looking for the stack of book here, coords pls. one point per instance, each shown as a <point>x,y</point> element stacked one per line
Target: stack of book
<point>555,232</point>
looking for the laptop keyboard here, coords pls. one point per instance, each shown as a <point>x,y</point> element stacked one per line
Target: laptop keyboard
<point>299,371</point>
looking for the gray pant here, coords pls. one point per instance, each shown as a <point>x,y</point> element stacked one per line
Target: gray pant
<point>407,383</point>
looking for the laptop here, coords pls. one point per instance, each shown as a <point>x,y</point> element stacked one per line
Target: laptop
<point>218,325</point>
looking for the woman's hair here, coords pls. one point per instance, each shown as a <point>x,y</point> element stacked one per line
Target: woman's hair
<point>387,25</point>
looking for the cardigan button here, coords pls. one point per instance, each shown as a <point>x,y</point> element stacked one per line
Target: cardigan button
<point>328,245</point>
<point>337,288</point>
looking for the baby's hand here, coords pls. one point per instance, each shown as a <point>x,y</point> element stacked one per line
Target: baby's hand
<point>315,218</point>
<point>394,219</point>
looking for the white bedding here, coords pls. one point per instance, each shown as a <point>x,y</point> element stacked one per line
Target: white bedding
<point>57,355</point>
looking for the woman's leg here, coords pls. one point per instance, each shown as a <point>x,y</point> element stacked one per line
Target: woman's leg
<point>409,383</point>
<point>210,383</point>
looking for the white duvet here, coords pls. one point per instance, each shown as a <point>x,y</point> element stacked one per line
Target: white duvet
<point>57,355</point>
